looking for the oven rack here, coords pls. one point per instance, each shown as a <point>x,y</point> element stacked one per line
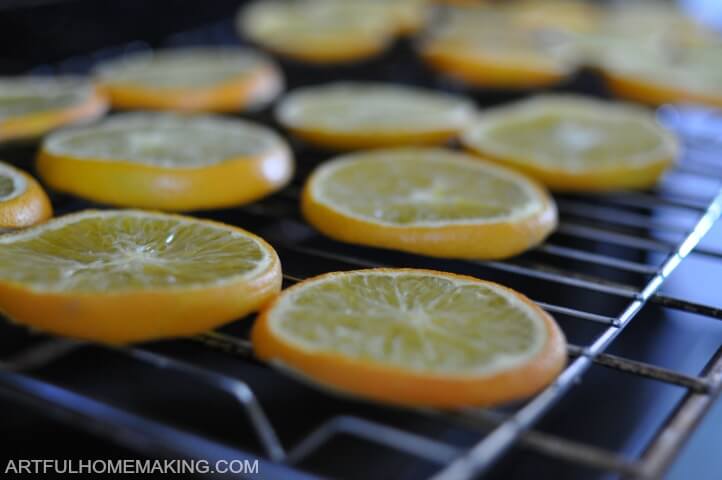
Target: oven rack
<point>612,221</point>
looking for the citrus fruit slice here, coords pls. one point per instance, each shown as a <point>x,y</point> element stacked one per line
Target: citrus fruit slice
<point>653,53</point>
<point>360,115</point>
<point>482,47</point>
<point>319,31</point>
<point>574,143</point>
<point>412,337</point>
<point>125,276</point>
<point>32,106</point>
<point>191,79</point>
<point>656,75</point>
<point>22,200</point>
<point>649,22</point>
<point>409,16</point>
<point>429,201</point>
<point>555,15</point>
<point>167,161</point>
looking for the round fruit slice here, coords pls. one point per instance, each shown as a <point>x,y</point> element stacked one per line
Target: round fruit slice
<point>167,161</point>
<point>319,31</point>
<point>361,115</point>
<point>576,144</point>
<point>32,106</point>
<point>555,15</point>
<point>126,276</point>
<point>191,79</point>
<point>429,201</point>
<point>659,74</point>
<point>22,200</point>
<point>408,15</point>
<point>412,337</point>
<point>483,47</point>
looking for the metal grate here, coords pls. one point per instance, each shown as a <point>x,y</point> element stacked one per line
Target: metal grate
<point>607,262</point>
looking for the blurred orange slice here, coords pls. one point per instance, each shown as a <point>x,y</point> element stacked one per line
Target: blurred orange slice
<point>349,115</point>
<point>483,47</point>
<point>191,79</point>
<point>23,201</point>
<point>319,31</point>
<point>573,143</point>
<point>33,106</point>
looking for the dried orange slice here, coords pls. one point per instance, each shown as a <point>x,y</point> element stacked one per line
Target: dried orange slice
<point>655,54</point>
<point>429,201</point>
<point>32,106</point>
<point>657,75</point>
<point>22,200</point>
<point>412,337</point>
<point>483,47</point>
<point>554,15</point>
<point>408,15</point>
<point>575,143</point>
<point>319,31</point>
<point>411,15</point>
<point>350,115</point>
<point>127,276</point>
<point>191,79</point>
<point>167,161</point>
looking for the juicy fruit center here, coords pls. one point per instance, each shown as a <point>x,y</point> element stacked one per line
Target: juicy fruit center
<point>418,322</point>
<point>576,143</point>
<point>416,189</point>
<point>165,141</point>
<point>127,252</point>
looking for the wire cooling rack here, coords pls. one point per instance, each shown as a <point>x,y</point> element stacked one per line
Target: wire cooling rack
<point>605,264</point>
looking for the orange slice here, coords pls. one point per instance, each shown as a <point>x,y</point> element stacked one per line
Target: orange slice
<point>482,47</point>
<point>32,106</point>
<point>428,201</point>
<point>555,15</point>
<point>349,115</point>
<point>574,143</point>
<point>412,337</point>
<point>319,31</point>
<point>191,79</point>
<point>408,15</point>
<point>167,162</point>
<point>656,75</point>
<point>22,200</point>
<point>128,276</point>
